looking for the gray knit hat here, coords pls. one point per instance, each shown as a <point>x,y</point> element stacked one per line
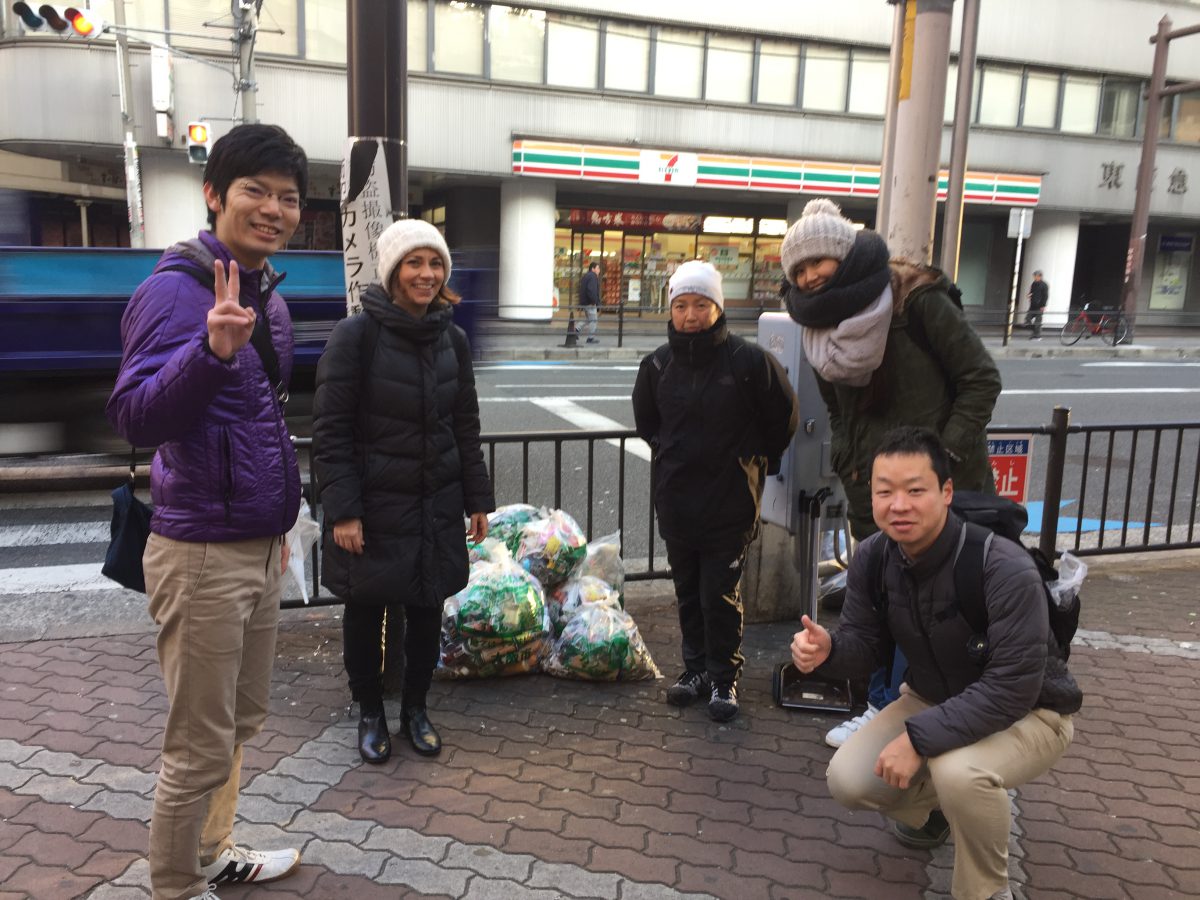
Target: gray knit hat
<point>697,277</point>
<point>821,232</point>
<point>403,237</point>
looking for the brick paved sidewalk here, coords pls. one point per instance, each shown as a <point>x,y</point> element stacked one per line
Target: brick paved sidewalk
<point>558,789</point>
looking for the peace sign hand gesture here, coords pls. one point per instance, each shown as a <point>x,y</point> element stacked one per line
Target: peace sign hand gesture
<point>229,323</point>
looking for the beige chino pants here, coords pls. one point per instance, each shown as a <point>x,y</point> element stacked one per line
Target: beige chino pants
<point>970,785</point>
<point>217,610</point>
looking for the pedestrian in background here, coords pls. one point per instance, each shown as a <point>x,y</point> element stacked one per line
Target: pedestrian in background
<point>207,351</point>
<point>399,461</point>
<point>589,299</point>
<point>890,347</point>
<point>718,413</point>
<point>1039,296</point>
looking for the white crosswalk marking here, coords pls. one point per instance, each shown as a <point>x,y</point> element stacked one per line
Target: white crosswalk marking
<point>58,533</point>
<point>54,579</point>
<point>586,420</point>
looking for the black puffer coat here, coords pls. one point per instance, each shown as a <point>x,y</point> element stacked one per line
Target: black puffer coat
<point>396,444</point>
<point>717,428</point>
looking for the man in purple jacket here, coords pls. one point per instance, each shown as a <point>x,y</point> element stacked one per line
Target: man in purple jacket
<point>226,489</point>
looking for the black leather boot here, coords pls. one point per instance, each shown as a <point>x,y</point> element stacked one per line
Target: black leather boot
<point>414,722</point>
<point>374,741</point>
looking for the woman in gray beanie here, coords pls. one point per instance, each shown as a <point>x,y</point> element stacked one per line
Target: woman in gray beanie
<point>890,346</point>
<point>397,455</point>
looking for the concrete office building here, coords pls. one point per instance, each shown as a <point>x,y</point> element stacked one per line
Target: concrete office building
<point>642,134</point>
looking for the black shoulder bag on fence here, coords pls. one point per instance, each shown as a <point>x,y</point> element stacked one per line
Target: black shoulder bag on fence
<point>130,531</point>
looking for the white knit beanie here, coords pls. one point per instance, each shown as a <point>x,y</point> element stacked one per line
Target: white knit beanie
<point>403,237</point>
<point>697,277</point>
<point>821,232</point>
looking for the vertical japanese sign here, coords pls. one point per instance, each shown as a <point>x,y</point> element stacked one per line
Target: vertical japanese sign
<point>1011,456</point>
<point>366,212</point>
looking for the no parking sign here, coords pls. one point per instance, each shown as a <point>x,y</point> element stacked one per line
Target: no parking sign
<point>1010,456</point>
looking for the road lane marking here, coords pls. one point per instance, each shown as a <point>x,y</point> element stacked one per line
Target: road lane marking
<point>1071,392</point>
<point>573,398</point>
<point>586,420</point>
<point>55,579</point>
<point>54,533</point>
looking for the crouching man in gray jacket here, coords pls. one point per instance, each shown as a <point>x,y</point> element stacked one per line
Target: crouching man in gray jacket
<point>978,714</point>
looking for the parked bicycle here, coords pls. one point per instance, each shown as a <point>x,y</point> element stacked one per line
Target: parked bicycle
<point>1109,324</point>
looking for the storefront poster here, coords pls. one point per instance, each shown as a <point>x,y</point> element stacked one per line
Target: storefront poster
<point>1171,266</point>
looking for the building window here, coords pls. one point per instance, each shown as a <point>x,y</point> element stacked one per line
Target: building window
<point>626,57</point>
<point>572,51</point>
<point>458,38</point>
<point>825,75</point>
<point>999,97</point>
<point>1081,100</point>
<point>730,69</point>
<point>868,83</point>
<point>418,35</point>
<point>517,42</point>
<point>325,30</point>
<point>778,72</point>
<point>678,63</point>
<point>1187,117</point>
<point>1040,107</point>
<point>1119,107</point>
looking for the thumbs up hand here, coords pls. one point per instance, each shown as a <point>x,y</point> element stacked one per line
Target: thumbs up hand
<point>229,323</point>
<point>810,647</point>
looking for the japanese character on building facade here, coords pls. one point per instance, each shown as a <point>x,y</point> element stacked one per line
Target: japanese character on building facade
<point>1110,175</point>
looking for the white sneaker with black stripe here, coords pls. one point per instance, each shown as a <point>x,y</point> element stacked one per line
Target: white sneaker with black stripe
<point>241,865</point>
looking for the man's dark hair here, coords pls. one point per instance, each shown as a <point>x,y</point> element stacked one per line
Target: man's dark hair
<point>593,265</point>
<point>910,441</point>
<point>249,150</point>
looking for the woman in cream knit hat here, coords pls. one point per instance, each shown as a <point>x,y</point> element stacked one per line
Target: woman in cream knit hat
<point>398,458</point>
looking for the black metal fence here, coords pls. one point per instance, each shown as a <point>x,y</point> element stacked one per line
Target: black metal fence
<point>1103,488</point>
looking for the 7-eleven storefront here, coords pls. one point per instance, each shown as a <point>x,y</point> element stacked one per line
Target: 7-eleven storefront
<point>640,235</point>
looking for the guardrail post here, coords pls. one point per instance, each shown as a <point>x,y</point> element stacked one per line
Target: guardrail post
<point>1052,494</point>
<point>621,323</point>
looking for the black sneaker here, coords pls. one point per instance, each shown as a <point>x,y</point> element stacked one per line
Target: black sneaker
<point>688,688</point>
<point>933,833</point>
<point>724,703</point>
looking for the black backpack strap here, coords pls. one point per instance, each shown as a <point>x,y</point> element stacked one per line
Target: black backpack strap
<point>260,337</point>
<point>974,544</point>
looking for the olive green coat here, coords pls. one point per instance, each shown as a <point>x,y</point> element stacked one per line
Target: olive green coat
<point>950,387</point>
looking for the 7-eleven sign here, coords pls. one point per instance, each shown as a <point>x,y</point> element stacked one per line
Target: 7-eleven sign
<point>667,167</point>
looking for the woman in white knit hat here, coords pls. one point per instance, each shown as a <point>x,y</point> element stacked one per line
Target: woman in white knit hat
<point>719,413</point>
<point>890,346</point>
<point>398,459</point>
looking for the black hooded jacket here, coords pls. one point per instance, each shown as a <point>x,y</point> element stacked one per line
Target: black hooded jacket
<point>716,427</point>
<point>396,444</point>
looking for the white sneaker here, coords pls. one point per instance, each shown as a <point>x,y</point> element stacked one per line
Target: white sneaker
<point>210,894</point>
<point>838,736</point>
<point>239,865</point>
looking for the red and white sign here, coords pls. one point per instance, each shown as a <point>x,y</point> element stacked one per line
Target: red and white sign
<point>1011,456</point>
<point>668,167</point>
<point>629,220</point>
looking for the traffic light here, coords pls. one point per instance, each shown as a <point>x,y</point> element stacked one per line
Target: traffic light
<point>69,21</point>
<point>199,140</point>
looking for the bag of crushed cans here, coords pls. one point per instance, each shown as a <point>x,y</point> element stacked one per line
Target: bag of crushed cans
<point>600,642</point>
<point>603,561</point>
<point>552,548</point>
<point>506,523</point>
<point>497,624</point>
<point>566,601</point>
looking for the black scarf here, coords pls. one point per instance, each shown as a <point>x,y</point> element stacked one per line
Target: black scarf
<point>697,349</point>
<point>860,278</point>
